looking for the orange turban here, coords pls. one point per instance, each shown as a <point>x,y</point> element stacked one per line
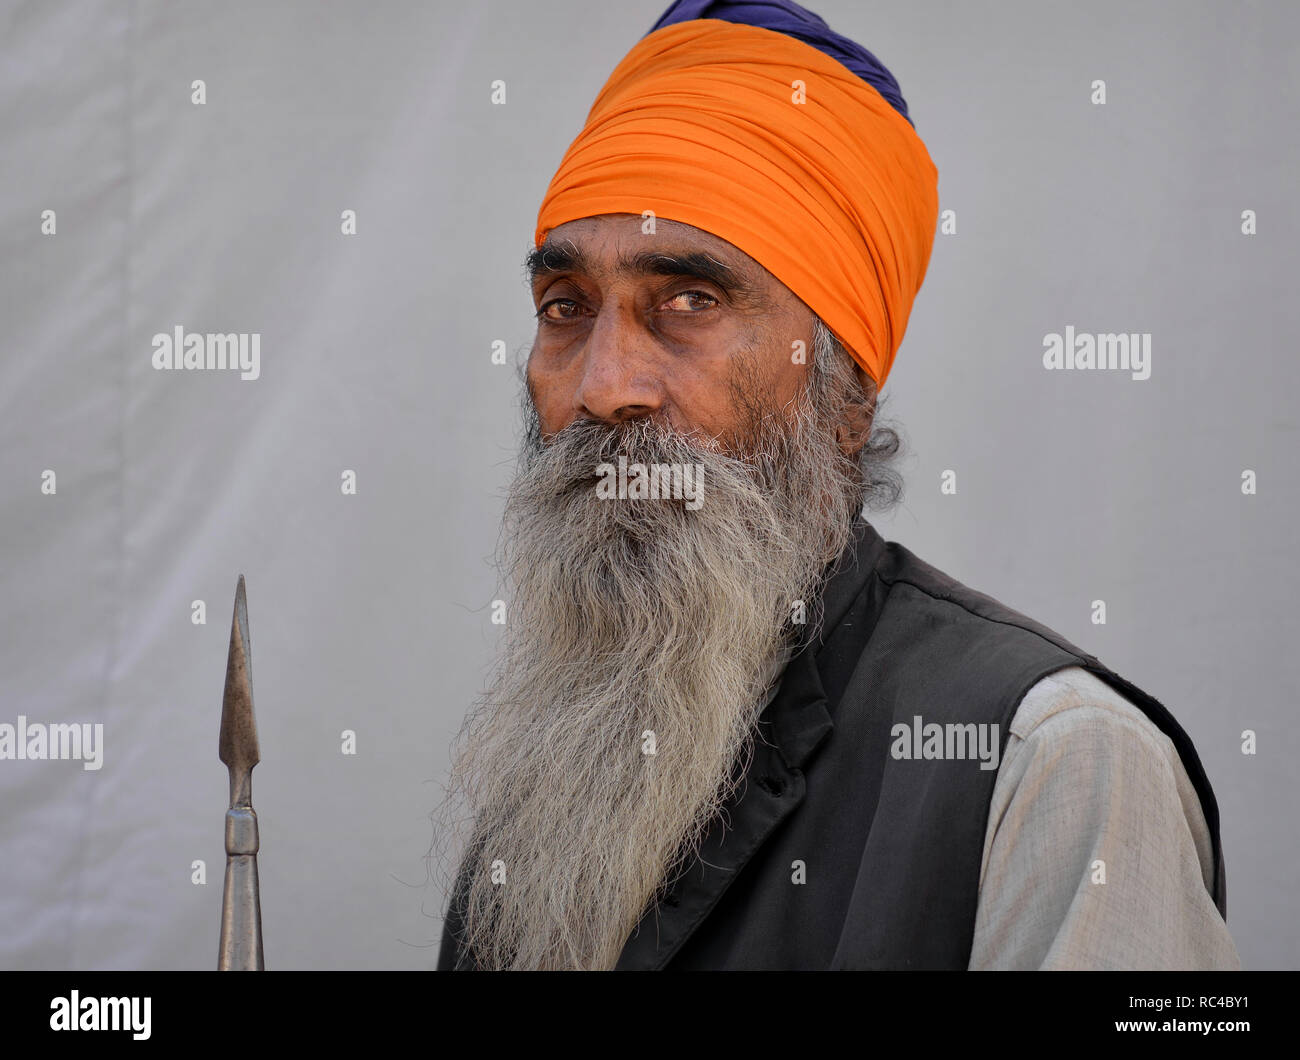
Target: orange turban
<point>767,143</point>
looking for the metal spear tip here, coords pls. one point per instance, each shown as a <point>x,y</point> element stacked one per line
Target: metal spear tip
<point>239,749</point>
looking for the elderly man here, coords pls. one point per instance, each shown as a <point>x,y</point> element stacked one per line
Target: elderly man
<point>732,727</point>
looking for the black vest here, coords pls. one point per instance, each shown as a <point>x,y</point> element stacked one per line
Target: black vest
<point>891,848</point>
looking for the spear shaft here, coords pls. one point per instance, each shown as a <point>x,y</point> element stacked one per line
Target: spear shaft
<point>241,907</point>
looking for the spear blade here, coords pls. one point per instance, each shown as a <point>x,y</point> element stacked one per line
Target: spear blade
<point>241,910</point>
<point>239,750</point>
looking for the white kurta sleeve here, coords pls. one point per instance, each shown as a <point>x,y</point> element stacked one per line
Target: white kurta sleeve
<point>1090,790</point>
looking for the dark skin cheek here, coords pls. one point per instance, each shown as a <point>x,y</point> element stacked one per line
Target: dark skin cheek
<point>696,398</point>
<point>690,393</point>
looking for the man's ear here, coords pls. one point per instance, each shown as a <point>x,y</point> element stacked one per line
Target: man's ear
<point>853,433</point>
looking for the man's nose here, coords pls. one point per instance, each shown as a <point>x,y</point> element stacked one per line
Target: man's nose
<point>619,378</point>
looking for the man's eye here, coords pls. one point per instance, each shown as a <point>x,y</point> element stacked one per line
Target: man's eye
<point>688,294</point>
<point>542,313</point>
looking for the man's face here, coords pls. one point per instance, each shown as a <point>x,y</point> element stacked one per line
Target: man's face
<point>632,325</point>
<point>633,615</point>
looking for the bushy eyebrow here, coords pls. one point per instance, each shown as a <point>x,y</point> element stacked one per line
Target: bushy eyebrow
<point>560,258</point>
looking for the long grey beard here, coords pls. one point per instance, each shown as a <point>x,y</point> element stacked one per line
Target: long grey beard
<point>633,625</point>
